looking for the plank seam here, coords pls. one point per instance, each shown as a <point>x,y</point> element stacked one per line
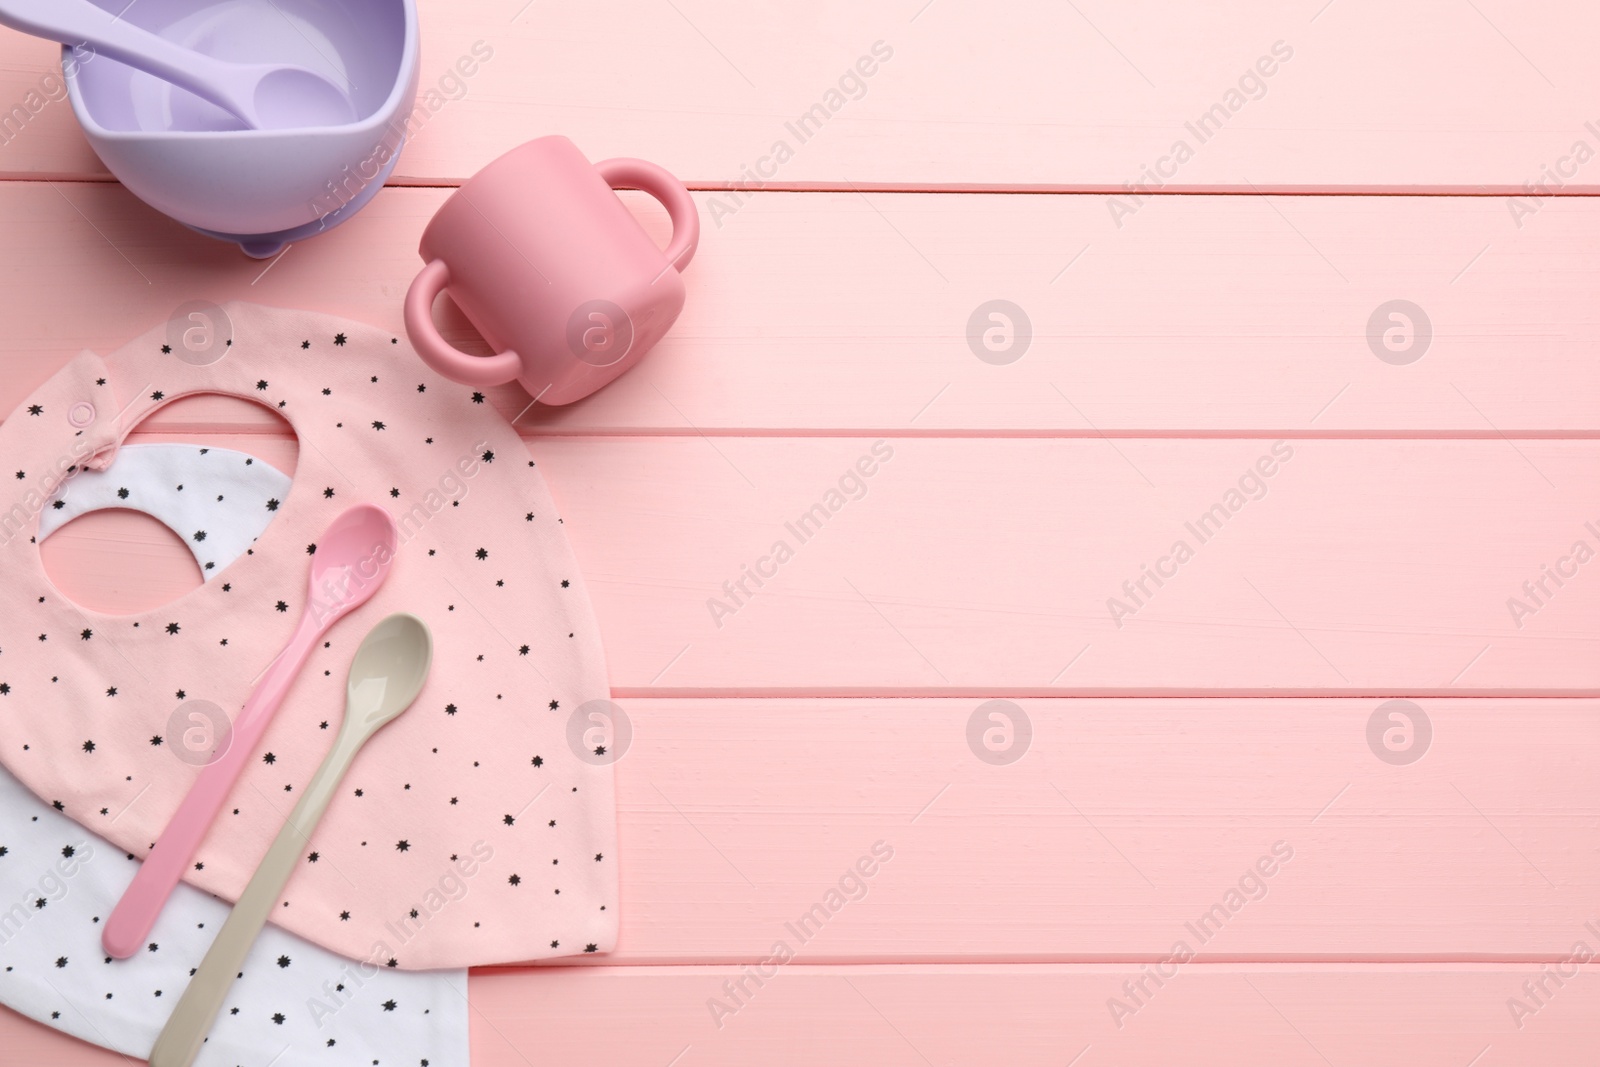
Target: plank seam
<point>902,433</point>
<point>1117,962</point>
<point>1491,192</point>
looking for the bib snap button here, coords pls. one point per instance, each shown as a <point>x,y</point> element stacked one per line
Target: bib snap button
<point>81,414</point>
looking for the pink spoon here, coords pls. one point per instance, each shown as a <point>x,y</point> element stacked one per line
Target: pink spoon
<point>351,562</point>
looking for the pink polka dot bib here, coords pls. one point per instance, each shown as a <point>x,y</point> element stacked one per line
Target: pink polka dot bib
<point>477,828</point>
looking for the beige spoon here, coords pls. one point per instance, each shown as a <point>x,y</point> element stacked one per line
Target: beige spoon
<point>388,672</point>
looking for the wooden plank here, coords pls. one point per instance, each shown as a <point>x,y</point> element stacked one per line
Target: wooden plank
<point>914,1016</point>
<point>1298,1016</point>
<point>1174,342</point>
<point>1368,567</point>
<point>1073,96</point>
<point>1112,833</point>
<point>997,567</point>
<point>1127,819</point>
<point>1115,828</point>
<point>837,313</point>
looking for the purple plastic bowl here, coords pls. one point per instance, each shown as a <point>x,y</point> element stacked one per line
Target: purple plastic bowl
<point>258,188</point>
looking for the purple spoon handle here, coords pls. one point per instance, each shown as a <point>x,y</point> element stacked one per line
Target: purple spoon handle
<point>230,86</point>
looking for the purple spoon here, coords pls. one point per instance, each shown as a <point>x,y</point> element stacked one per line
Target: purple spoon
<point>264,96</point>
<point>352,561</point>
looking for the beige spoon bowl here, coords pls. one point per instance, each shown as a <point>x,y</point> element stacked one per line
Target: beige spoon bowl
<point>388,672</point>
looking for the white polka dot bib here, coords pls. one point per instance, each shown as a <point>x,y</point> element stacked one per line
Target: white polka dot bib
<point>297,1005</point>
<point>477,828</point>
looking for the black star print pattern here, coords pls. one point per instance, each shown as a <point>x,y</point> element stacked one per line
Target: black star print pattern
<point>398,1017</point>
<point>472,784</point>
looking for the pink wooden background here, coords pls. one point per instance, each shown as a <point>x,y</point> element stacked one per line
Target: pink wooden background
<point>828,311</point>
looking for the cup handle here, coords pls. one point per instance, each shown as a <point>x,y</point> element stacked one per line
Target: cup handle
<point>624,173</point>
<point>438,353</point>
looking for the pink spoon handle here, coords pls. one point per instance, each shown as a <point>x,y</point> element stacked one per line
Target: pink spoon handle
<point>135,915</point>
